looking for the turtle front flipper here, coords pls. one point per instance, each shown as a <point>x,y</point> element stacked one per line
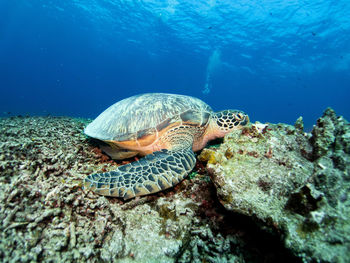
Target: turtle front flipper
<point>153,173</point>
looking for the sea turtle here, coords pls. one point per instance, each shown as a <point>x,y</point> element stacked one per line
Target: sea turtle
<point>165,128</point>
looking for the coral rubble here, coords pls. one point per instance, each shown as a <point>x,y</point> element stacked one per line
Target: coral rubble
<point>47,216</point>
<point>266,182</point>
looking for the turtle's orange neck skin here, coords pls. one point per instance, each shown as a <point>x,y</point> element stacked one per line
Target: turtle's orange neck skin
<point>212,132</point>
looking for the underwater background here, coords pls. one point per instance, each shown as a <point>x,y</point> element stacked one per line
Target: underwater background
<point>276,60</point>
<point>267,193</point>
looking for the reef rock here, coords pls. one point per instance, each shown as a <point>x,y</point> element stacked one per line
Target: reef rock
<point>46,216</point>
<point>294,182</point>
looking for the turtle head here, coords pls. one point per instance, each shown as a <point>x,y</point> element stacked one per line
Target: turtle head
<point>228,120</point>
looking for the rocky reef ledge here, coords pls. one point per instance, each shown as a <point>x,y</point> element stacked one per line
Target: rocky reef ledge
<point>267,193</point>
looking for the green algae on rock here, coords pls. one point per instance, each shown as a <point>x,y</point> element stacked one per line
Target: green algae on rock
<point>297,183</point>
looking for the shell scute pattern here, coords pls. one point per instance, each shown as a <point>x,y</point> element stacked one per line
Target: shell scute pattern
<point>124,119</point>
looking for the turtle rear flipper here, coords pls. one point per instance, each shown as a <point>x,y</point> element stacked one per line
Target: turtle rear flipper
<point>153,173</point>
<point>117,153</point>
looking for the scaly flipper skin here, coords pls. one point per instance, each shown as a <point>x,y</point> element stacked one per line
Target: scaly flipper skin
<point>153,173</point>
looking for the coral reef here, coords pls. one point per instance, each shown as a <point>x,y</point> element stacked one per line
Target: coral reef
<point>263,184</point>
<point>295,183</point>
<point>47,216</point>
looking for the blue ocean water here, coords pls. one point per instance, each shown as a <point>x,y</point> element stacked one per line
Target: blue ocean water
<point>274,59</point>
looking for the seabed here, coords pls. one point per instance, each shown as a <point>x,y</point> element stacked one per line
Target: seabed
<point>267,193</point>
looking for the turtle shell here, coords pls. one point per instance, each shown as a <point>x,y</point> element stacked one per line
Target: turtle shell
<point>147,114</point>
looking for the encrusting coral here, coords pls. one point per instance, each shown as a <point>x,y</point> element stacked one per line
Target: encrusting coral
<point>296,183</point>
